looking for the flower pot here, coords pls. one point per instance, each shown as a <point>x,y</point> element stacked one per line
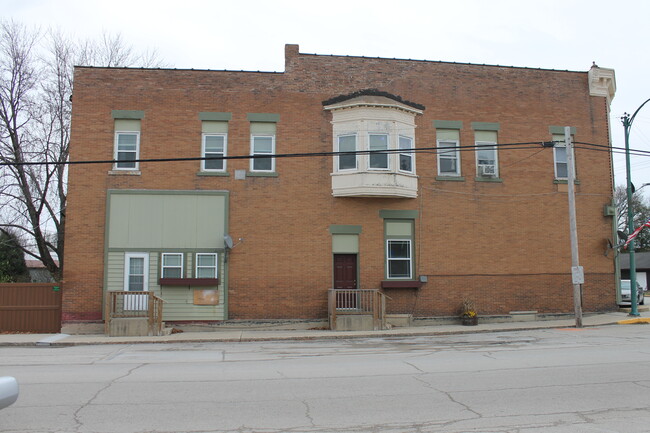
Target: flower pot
<point>469,321</point>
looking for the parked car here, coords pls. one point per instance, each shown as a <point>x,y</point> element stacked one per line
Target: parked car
<point>625,293</point>
<point>8,391</point>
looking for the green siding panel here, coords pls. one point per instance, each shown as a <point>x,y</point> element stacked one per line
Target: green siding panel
<point>149,221</point>
<point>213,127</point>
<point>348,244</point>
<point>448,134</point>
<point>125,125</point>
<point>490,136</point>
<point>399,228</point>
<point>261,128</point>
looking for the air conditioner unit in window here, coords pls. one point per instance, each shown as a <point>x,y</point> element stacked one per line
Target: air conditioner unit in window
<point>487,170</point>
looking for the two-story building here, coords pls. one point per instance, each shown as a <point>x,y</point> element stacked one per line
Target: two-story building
<point>426,180</point>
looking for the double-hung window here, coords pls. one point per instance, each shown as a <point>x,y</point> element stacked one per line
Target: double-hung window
<point>406,158</point>
<point>347,143</point>
<point>127,150</point>
<point>399,240</point>
<point>206,265</point>
<point>213,150</point>
<point>378,159</point>
<point>559,155</point>
<point>448,158</point>
<point>172,265</point>
<point>398,254</point>
<point>126,146</point>
<point>263,132</point>
<point>262,149</point>
<point>485,141</point>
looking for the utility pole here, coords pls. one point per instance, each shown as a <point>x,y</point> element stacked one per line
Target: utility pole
<point>577,273</point>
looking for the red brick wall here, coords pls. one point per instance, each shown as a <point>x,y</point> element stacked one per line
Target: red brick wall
<point>505,244</point>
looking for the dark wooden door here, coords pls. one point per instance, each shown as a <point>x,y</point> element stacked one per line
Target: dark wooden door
<point>345,278</point>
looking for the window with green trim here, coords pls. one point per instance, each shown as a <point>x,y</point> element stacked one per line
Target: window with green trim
<point>206,265</point>
<point>214,146</point>
<point>171,265</point>
<point>398,255</point>
<point>399,248</point>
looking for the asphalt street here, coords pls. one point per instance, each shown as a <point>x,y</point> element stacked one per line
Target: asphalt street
<point>548,380</point>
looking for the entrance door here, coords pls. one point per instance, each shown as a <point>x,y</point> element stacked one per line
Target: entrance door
<point>345,278</point>
<point>136,268</point>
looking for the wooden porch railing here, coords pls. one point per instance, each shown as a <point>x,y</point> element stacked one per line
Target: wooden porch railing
<point>359,302</point>
<point>134,304</point>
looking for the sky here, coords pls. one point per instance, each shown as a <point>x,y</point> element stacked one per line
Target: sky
<point>251,35</point>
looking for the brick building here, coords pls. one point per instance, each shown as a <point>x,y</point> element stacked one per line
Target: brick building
<point>479,210</point>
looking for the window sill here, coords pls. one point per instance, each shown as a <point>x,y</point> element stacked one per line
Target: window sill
<point>124,172</point>
<point>203,282</point>
<point>401,284</point>
<point>451,178</point>
<point>213,173</point>
<point>261,174</point>
<point>565,181</point>
<point>489,179</point>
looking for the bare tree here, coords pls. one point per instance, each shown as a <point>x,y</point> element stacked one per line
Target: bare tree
<point>36,79</point>
<point>640,212</point>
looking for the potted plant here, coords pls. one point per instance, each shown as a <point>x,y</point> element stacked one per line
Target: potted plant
<point>468,315</point>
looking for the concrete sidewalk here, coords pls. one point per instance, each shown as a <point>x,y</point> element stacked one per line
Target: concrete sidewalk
<point>248,334</point>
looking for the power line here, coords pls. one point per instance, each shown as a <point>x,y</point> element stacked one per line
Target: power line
<point>428,150</point>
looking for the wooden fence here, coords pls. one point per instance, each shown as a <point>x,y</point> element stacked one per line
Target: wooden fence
<point>30,307</point>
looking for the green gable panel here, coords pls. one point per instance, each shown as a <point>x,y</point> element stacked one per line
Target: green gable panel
<point>448,124</point>
<point>263,117</point>
<point>485,126</point>
<point>398,214</point>
<point>168,220</point>
<point>560,130</point>
<point>216,116</point>
<point>127,114</point>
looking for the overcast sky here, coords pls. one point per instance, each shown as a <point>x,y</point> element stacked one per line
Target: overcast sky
<point>251,35</point>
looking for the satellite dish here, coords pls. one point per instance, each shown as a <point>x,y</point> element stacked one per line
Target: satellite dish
<point>228,241</point>
<point>621,235</point>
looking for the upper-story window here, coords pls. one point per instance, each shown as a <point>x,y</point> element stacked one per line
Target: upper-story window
<point>380,128</point>
<point>347,161</point>
<point>127,150</point>
<point>126,146</point>
<point>213,150</point>
<point>263,128</point>
<point>487,157</point>
<point>378,159</point>
<point>559,155</point>
<point>448,157</point>
<point>263,149</point>
<point>406,157</point>
<point>214,141</point>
